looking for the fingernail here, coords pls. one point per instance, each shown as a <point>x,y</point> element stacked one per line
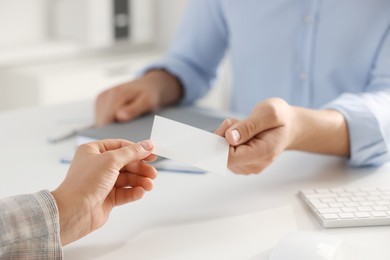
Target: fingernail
<point>147,145</point>
<point>236,136</point>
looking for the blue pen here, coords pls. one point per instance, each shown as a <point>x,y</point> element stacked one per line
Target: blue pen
<point>180,171</point>
<point>161,169</point>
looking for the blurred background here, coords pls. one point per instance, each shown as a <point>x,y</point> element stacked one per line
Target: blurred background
<point>60,51</point>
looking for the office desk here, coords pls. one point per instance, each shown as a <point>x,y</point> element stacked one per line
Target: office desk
<point>29,163</point>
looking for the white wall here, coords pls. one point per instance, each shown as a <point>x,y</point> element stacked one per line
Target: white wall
<point>23,22</point>
<point>169,13</point>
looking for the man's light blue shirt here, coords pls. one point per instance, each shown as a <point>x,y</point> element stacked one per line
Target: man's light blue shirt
<point>312,53</point>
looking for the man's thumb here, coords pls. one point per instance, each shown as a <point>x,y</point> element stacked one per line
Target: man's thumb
<point>242,131</point>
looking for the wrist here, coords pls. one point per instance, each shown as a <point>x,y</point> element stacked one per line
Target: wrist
<point>167,87</point>
<point>296,128</point>
<point>72,215</point>
<point>319,131</point>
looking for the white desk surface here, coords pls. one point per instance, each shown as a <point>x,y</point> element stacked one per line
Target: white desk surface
<point>29,163</point>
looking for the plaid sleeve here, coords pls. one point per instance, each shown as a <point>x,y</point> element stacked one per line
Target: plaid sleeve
<point>29,227</point>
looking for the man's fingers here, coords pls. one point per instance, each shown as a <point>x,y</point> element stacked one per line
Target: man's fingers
<point>127,195</point>
<point>151,158</point>
<point>243,131</point>
<point>133,109</point>
<point>221,130</point>
<point>223,127</point>
<point>122,153</point>
<point>103,118</point>
<point>110,101</point>
<point>253,156</point>
<point>267,115</point>
<point>103,109</point>
<point>106,145</point>
<point>102,146</point>
<point>140,168</point>
<point>133,152</point>
<point>134,180</point>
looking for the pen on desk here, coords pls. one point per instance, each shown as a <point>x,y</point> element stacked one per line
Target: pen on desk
<point>68,160</point>
<point>65,161</point>
<point>67,135</point>
<point>163,169</point>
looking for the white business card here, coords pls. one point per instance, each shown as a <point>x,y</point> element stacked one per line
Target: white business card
<point>184,143</point>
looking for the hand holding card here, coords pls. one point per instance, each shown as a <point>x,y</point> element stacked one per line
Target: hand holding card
<point>184,143</point>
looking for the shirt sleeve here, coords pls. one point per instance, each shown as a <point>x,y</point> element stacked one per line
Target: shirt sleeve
<point>368,114</point>
<point>29,227</point>
<point>197,49</point>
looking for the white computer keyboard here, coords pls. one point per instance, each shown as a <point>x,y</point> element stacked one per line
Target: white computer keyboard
<point>349,207</point>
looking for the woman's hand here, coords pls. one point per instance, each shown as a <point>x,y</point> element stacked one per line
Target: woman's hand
<point>103,175</point>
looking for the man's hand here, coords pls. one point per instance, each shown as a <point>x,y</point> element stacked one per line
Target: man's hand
<point>103,175</point>
<point>275,126</point>
<point>155,89</point>
<point>256,141</point>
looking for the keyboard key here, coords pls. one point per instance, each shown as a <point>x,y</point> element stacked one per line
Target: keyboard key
<point>369,189</point>
<point>378,214</point>
<point>386,192</point>
<point>346,215</point>
<point>358,199</point>
<point>327,200</point>
<point>336,205</point>
<point>344,194</point>
<point>330,216</point>
<point>373,198</point>
<point>320,205</point>
<point>329,210</point>
<point>349,209</point>
<point>367,203</point>
<point>352,204</point>
<point>343,199</point>
<point>380,208</point>
<point>364,209</point>
<point>314,201</point>
<point>321,196</point>
<point>359,194</point>
<point>362,214</point>
<point>382,202</point>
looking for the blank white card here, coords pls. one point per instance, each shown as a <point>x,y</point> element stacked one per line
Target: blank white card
<point>184,143</point>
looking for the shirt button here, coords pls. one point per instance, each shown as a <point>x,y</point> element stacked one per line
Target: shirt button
<point>308,19</point>
<point>303,76</point>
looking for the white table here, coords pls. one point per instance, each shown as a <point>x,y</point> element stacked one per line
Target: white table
<point>29,163</point>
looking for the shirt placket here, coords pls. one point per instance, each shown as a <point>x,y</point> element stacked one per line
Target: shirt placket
<point>304,77</point>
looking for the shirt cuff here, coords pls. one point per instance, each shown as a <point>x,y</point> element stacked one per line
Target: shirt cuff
<point>367,144</point>
<point>194,85</point>
<point>51,214</point>
<point>29,227</point>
